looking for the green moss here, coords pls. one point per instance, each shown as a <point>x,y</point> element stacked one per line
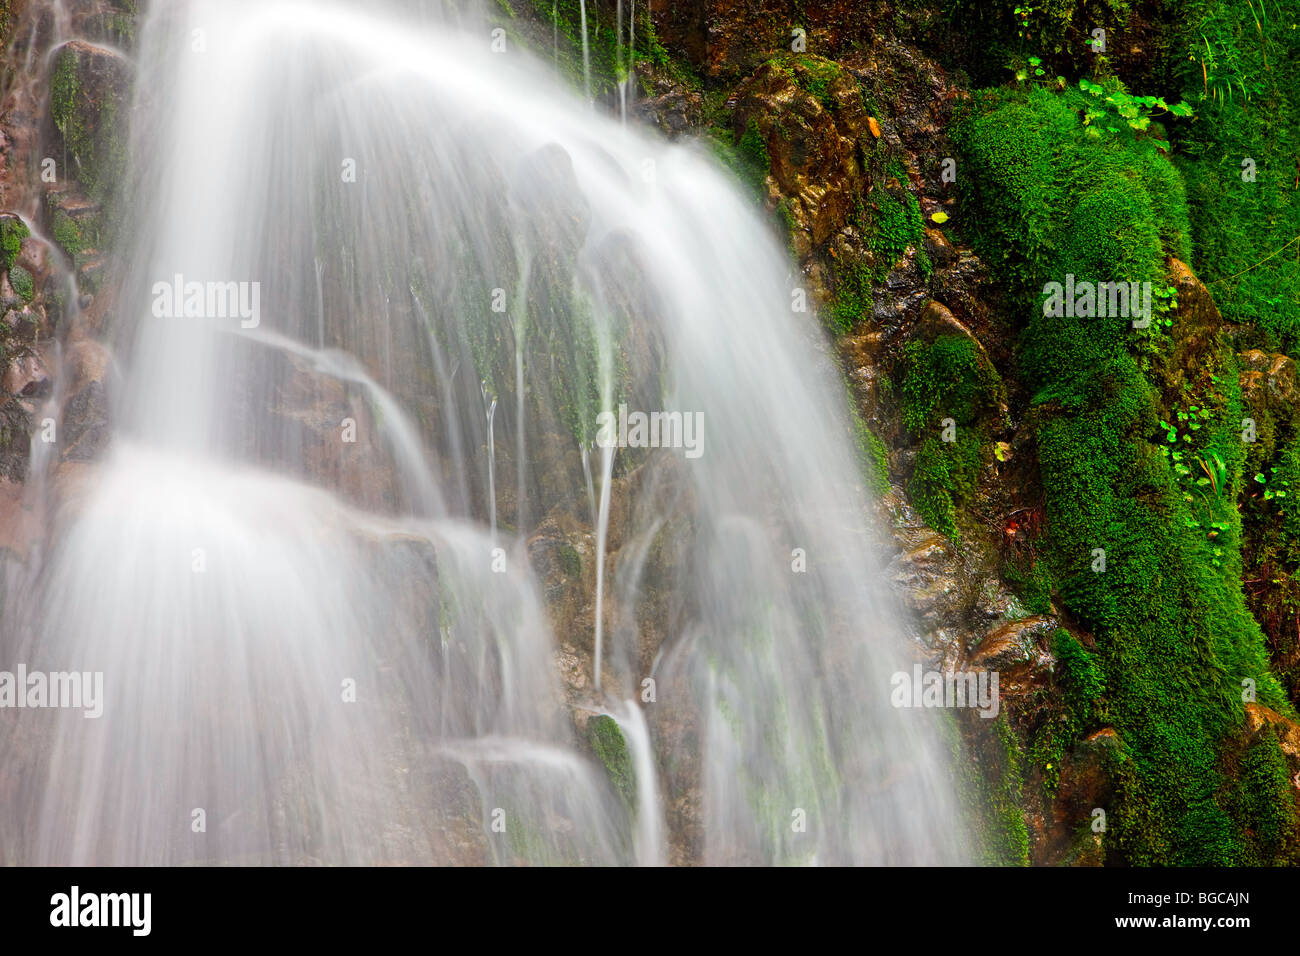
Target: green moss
<point>1242,65</point>
<point>852,298</point>
<point>64,85</point>
<point>22,282</point>
<point>570,560</point>
<point>990,764</point>
<point>896,225</point>
<point>610,65</point>
<point>873,456</point>
<point>610,748</point>
<point>67,234</point>
<point>889,226</point>
<point>815,76</point>
<point>756,162</point>
<point>946,379</point>
<point>1078,689</point>
<point>1033,586</point>
<point>875,462</point>
<point>12,233</point>
<point>93,137</point>
<point>1262,800</point>
<point>945,475</point>
<point>1174,637</point>
<point>1080,673</point>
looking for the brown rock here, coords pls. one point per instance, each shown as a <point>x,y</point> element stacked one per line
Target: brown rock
<point>1015,643</point>
<point>1267,377</point>
<point>1288,731</point>
<point>813,142</point>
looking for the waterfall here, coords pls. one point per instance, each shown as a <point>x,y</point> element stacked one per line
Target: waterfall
<point>586,48</point>
<point>323,637</point>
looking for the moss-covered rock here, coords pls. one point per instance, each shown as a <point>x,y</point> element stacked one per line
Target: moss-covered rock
<point>610,748</point>
<point>1143,549</point>
<point>21,281</point>
<point>89,101</point>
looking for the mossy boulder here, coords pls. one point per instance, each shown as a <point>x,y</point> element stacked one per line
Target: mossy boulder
<point>21,281</point>
<point>89,102</point>
<point>76,224</point>
<point>1143,549</point>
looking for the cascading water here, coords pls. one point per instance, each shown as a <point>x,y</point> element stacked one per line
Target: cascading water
<point>307,567</point>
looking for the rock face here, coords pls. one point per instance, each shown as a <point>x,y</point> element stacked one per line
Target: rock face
<point>724,39</point>
<point>814,128</point>
<point>59,174</point>
<point>1268,379</point>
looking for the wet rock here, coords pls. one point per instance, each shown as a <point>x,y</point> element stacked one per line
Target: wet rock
<point>668,105</point>
<point>1196,308</point>
<point>1288,731</point>
<point>1015,643</point>
<point>15,439</point>
<point>26,376</point>
<point>291,415</point>
<point>556,553</point>
<point>933,583</point>
<point>86,423</point>
<point>546,190</point>
<point>725,39</point>
<point>75,223</point>
<point>1085,786</point>
<point>941,252</point>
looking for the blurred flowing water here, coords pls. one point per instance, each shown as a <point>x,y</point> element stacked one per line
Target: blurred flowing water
<point>339,651</point>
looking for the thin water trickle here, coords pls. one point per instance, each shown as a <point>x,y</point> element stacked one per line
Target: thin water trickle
<point>490,409</point>
<point>586,49</point>
<point>602,541</point>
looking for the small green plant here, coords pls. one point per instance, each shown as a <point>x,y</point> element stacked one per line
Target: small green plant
<point>1116,105</point>
<point>1275,486</point>
<point>1031,70</point>
<point>1023,14</point>
<point>1153,341</point>
<point>1211,473</point>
